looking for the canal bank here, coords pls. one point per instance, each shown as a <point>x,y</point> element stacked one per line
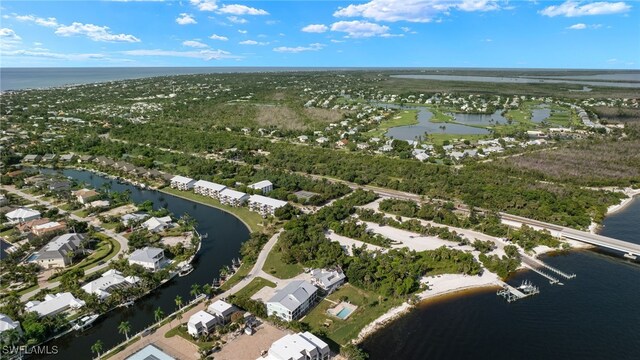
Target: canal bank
<point>226,233</point>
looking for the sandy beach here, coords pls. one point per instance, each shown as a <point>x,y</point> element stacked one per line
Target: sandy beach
<point>631,194</point>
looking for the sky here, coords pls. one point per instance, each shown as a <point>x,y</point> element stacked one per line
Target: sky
<point>375,33</point>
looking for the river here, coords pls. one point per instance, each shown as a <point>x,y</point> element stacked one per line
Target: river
<point>226,233</point>
<point>593,316</point>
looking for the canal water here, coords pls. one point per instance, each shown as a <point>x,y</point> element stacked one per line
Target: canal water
<point>593,316</point>
<point>225,235</point>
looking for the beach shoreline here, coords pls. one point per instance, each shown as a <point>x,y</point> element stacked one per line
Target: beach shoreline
<point>594,228</point>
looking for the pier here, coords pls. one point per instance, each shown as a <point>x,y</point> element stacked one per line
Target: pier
<point>512,294</point>
<point>535,265</point>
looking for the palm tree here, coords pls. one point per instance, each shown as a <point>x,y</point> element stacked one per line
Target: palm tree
<point>207,289</point>
<point>195,290</point>
<point>178,301</point>
<point>70,254</point>
<point>124,328</point>
<point>97,348</point>
<point>158,314</point>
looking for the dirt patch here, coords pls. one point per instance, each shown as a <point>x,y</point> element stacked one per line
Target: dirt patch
<point>249,347</point>
<point>279,116</point>
<point>324,115</point>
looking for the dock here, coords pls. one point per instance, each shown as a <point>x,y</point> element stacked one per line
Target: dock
<point>536,265</point>
<point>512,294</point>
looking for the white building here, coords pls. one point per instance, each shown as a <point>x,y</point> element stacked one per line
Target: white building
<point>22,215</point>
<point>151,258</point>
<point>150,352</point>
<point>292,301</point>
<point>109,281</point>
<point>264,186</point>
<point>6,323</point>
<point>327,280</point>
<point>56,253</point>
<point>233,197</point>
<point>182,182</point>
<point>201,323</point>
<point>264,205</point>
<point>155,224</point>
<point>299,346</point>
<point>222,309</point>
<point>55,304</point>
<point>208,188</point>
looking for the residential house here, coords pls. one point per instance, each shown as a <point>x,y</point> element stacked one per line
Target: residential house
<point>292,301</point>
<point>128,219</point>
<point>49,158</point>
<point>103,161</point>
<point>84,196</point>
<point>263,186</point>
<point>327,280</point>
<point>54,304</point>
<point>22,214</point>
<point>298,346</point>
<point>150,352</point>
<point>155,224</point>
<point>208,188</point>
<point>3,200</point>
<point>85,159</point>
<point>108,282</point>
<point>48,227</point>
<point>96,204</point>
<point>264,205</point>
<point>201,323</point>
<point>59,252</point>
<point>32,158</point>
<point>223,310</point>
<point>232,197</point>
<point>58,186</point>
<point>67,157</point>
<point>151,258</point>
<point>6,323</point>
<point>182,183</point>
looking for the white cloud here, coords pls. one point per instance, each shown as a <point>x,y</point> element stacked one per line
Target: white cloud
<point>47,22</point>
<point>579,26</point>
<point>242,31</point>
<point>413,10</point>
<point>9,35</point>
<point>205,5</point>
<point>196,54</point>
<point>195,44</point>
<point>297,49</point>
<point>252,42</point>
<point>237,20</point>
<point>315,28</point>
<point>359,29</point>
<point>53,55</point>
<point>405,29</point>
<point>218,37</point>
<point>186,19</point>
<point>94,32</point>
<point>575,8</point>
<point>236,9</point>
<point>337,41</point>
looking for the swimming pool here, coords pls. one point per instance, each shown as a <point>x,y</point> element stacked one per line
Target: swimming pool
<point>344,313</point>
<point>32,257</point>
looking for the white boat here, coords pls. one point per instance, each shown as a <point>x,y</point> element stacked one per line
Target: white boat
<point>127,304</point>
<point>185,270</point>
<point>85,322</point>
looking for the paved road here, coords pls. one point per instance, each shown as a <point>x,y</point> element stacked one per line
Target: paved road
<point>124,246</point>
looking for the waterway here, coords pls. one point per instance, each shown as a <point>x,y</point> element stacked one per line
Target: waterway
<point>593,316</point>
<point>226,233</point>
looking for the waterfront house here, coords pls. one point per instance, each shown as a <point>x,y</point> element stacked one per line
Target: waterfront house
<point>54,304</point>
<point>59,252</point>
<point>223,310</point>
<point>263,186</point>
<point>292,301</point>
<point>103,161</point>
<point>182,182</point>
<point>201,323</point>
<point>208,188</point>
<point>150,352</point>
<point>85,159</point>
<point>31,158</point>
<point>327,280</point>
<point>299,346</point>
<point>151,258</point>
<point>67,157</point>
<point>155,224</point>
<point>48,227</point>
<point>233,197</point>
<point>22,215</point>
<point>128,219</point>
<point>108,282</point>
<point>6,323</point>
<point>84,196</point>
<point>49,158</point>
<point>264,205</point>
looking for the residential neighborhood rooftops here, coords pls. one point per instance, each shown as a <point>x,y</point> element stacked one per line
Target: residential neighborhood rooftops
<point>297,347</point>
<point>181,179</point>
<point>267,201</point>
<point>150,352</point>
<point>261,184</point>
<point>22,214</point>
<point>54,303</point>
<point>233,194</point>
<point>294,294</point>
<point>6,323</point>
<point>209,185</point>
<point>146,254</point>
<point>221,308</point>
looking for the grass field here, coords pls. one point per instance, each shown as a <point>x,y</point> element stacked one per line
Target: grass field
<point>439,139</point>
<point>404,118</point>
<point>370,307</point>
<point>254,286</point>
<point>276,267</point>
<point>439,115</point>
<point>250,218</point>
<point>238,276</point>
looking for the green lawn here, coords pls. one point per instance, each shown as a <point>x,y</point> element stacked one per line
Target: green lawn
<point>439,139</point>
<point>107,248</point>
<point>239,275</point>
<point>250,218</point>
<point>439,115</point>
<point>254,286</point>
<point>276,267</point>
<point>182,332</point>
<point>82,213</point>
<point>370,307</point>
<point>403,118</point>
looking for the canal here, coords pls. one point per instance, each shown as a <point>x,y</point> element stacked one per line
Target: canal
<point>226,233</point>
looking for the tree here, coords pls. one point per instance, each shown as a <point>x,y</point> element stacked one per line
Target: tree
<point>124,328</point>
<point>178,301</point>
<point>96,348</point>
<point>70,254</point>
<point>195,290</point>
<point>207,289</point>
<point>158,314</point>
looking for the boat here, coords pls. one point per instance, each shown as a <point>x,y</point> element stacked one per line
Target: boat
<point>185,270</point>
<point>85,322</point>
<point>126,304</point>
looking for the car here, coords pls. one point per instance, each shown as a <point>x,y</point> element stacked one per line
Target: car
<point>101,262</point>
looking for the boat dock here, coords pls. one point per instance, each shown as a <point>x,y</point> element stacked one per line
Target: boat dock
<point>535,265</point>
<point>512,294</point>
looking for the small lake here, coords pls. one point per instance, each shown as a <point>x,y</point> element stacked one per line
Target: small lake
<point>225,235</point>
<point>516,80</point>
<point>481,119</point>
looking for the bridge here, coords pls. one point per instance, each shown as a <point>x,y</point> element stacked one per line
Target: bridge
<point>629,249</point>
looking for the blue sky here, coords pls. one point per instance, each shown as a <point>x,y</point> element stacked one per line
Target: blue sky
<point>389,33</point>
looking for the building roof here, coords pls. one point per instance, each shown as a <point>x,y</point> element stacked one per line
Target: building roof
<point>58,247</point>
<point>54,303</point>
<point>86,193</point>
<point>102,285</point>
<point>154,222</point>
<point>297,346</point>
<point>146,254</point>
<point>327,278</point>
<point>150,352</point>
<point>51,225</point>
<point>261,185</point>
<point>22,213</point>
<point>7,324</point>
<point>232,194</point>
<point>263,200</point>
<point>201,317</point>
<point>221,308</point>
<point>181,179</point>
<point>294,294</point>
<point>209,185</point>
